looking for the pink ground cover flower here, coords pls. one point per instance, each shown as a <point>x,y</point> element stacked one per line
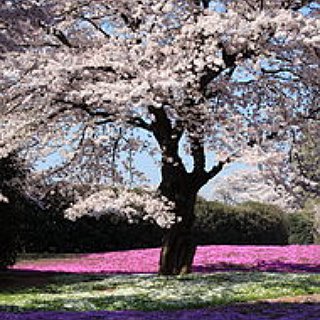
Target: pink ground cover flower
<point>294,258</point>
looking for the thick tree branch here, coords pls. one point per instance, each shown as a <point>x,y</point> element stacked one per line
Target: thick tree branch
<point>168,139</point>
<point>58,34</point>
<point>200,177</point>
<point>204,3</point>
<point>96,26</point>
<point>139,123</point>
<point>106,116</point>
<point>161,126</point>
<point>217,168</point>
<point>131,23</point>
<point>69,105</point>
<point>313,114</point>
<point>198,154</point>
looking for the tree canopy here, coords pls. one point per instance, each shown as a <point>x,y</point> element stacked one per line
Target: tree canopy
<point>102,80</point>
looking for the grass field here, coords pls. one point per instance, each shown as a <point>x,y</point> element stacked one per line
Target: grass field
<point>234,283</point>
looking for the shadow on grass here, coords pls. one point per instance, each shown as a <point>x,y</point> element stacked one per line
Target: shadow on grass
<point>110,299</point>
<point>247,311</point>
<point>18,280</point>
<point>275,266</point>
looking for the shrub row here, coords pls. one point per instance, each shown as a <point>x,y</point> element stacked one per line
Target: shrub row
<point>300,228</point>
<point>48,231</point>
<point>8,236</point>
<point>13,171</point>
<point>249,223</point>
<point>216,223</point>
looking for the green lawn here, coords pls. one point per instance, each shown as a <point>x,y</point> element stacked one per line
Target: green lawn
<point>151,292</point>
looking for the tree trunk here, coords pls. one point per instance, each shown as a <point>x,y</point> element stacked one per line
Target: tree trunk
<point>178,247</point>
<point>180,187</point>
<point>177,251</point>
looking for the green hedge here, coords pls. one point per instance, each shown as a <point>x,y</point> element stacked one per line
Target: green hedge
<point>216,223</point>
<point>48,232</point>
<point>8,235</point>
<point>13,171</point>
<point>249,223</point>
<point>300,228</point>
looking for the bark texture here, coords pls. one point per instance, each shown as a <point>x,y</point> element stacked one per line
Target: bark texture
<point>180,187</point>
<point>177,252</point>
<point>178,246</point>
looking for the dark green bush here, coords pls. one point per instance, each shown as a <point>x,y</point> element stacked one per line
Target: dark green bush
<point>13,171</point>
<point>216,223</point>
<point>8,235</point>
<point>49,231</point>
<point>248,223</point>
<point>14,226</point>
<point>300,228</point>
<point>58,235</point>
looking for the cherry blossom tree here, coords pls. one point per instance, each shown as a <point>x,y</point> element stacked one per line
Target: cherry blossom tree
<point>102,81</point>
<point>303,165</point>
<point>290,183</point>
<point>298,175</point>
<point>251,185</point>
<point>293,179</point>
<point>306,171</point>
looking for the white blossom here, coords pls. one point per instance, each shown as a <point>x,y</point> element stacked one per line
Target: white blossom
<point>3,198</point>
<point>125,203</point>
<point>71,71</point>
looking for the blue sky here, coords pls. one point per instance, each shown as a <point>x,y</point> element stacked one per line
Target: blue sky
<point>147,165</point>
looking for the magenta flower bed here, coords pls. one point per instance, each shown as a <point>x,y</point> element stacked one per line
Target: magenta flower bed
<point>293,258</point>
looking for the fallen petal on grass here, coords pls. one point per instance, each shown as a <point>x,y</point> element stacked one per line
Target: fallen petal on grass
<point>84,292</point>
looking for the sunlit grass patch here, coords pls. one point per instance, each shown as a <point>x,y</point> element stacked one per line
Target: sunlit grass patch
<point>150,292</point>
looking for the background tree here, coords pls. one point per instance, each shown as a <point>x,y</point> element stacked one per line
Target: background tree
<point>292,183</point>
<point>298,175</point>
<point>250,185</point>
<point>171,73</point>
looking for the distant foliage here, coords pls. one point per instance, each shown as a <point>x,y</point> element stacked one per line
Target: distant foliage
<point>50,231</point>
<point>17,208</point>
<point>53,233</point>
<point>8,236</point>
<point>300,228</point>
<point>299,174</point>
<point>251,184</point>
<point>216,223</point>
<point>12,173</point>
<point>248,223</point>
<point>304,225</point>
